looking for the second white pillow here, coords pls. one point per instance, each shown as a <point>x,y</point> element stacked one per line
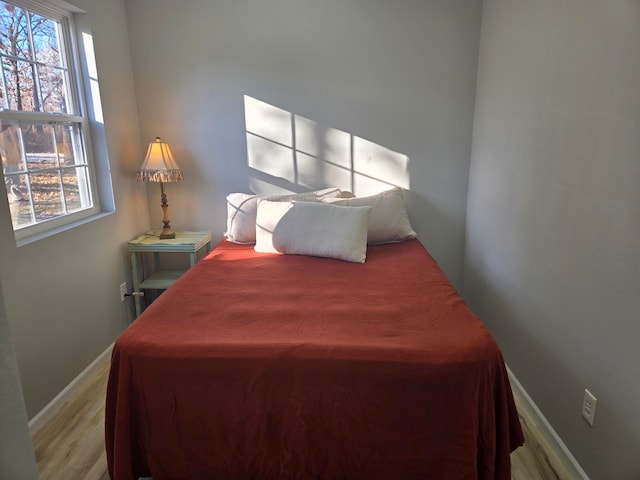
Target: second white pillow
<point>389,222</point>
<point>317,229</point>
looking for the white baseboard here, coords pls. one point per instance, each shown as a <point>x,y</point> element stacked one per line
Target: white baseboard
<point>41,418</point>
<point>556,452</point>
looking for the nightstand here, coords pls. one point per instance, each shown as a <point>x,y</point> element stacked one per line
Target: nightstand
<point>185,242</point>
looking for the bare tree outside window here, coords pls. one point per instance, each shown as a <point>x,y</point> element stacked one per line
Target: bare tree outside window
<point>41,145</point>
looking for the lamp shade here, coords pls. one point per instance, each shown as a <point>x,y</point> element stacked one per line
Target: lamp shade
<point>159,165</point>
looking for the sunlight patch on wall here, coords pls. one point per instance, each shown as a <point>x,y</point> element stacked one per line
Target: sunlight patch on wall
<point>290,153</point>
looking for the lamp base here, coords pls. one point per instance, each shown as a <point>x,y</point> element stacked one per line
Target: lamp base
<point>167,233</point>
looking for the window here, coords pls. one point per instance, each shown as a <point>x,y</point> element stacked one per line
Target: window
<point>48,177</point>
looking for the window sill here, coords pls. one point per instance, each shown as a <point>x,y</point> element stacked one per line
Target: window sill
<point>36,237</point>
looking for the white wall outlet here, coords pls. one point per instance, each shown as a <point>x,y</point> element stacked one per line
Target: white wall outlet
<point>589,407</point>
<point>123,291</point>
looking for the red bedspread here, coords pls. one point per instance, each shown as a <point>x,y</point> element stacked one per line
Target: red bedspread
<point>259,366</point>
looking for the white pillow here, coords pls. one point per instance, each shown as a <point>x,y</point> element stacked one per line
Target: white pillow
<point>241,211</point>
<point>312,228</point>
<point>389,222</point>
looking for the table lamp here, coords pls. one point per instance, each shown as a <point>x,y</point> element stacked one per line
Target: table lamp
<point>159,166</point>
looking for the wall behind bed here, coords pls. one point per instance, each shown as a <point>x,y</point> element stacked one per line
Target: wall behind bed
<point>394,79</point>
<point>553,264</point>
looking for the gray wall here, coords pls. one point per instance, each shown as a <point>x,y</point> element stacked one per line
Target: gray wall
<point>398,78</point>
<point>62,293</point>
<point>17,459</point>
<point>552,257</point>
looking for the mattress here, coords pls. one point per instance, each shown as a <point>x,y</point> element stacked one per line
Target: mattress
<point>263,366</point>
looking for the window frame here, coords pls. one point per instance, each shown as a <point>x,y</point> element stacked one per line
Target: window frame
<point>77,105</point>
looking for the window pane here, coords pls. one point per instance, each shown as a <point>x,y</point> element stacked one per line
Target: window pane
<point>14,31</point>
<point>53,89</point>
<point>46,192</point>
<point>45,40</point>
<point>65,145</point>
<point>11,82</point>
<point>11,149</point>
<point>39,147</point>
<point>76,186</point>
<point>28,95</point>
<point>21,92</point>
<point>19,200</point>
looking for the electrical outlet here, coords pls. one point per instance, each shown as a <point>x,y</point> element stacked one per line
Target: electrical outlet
<point>123,291</point>
<point>589,407</point>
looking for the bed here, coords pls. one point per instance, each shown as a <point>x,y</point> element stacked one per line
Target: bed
<point>267,366</point>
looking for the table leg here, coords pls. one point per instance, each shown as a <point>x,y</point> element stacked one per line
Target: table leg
<point>136,282</point>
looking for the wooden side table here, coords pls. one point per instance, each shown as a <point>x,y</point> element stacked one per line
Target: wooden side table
<point>186,242</point>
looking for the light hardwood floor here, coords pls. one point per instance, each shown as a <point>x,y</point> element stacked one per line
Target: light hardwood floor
<point>70,446</point>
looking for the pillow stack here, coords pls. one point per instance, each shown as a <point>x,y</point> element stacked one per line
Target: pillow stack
<point>242,209</point>
<point>322,223</point>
